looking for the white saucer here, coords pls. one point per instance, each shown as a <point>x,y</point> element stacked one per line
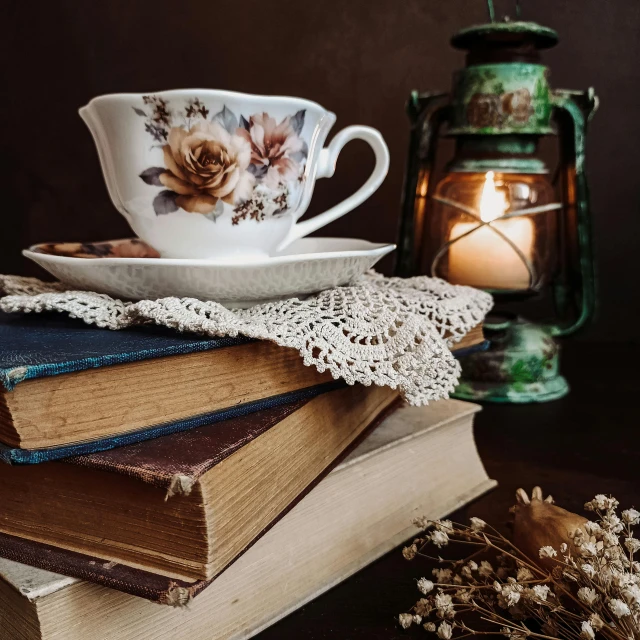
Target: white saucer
<point>307,266</point>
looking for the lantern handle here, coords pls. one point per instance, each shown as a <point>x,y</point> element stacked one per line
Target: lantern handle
<point>492,11</point>
<point>427,113</point>
<point>573,111</point>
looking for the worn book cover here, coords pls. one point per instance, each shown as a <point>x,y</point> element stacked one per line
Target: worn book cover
<point>67,388</point>
<point>183,506</point>
<point>48,344</point>
<point>64,385</point>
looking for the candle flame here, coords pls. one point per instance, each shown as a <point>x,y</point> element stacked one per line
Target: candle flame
<point>493,203</point>
<point>422,189</point>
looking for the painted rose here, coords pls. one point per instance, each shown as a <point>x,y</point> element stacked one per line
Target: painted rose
<point>277,150</point>
<point>517,104</point>
<point>205,164</point>
<point>254,165</point>
<point>128,248</point>
<point>484,110</point>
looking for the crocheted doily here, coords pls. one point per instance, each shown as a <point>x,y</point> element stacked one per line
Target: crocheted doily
<point>386,331</point>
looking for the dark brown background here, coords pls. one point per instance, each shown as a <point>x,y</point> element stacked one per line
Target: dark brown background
<point>359,58</point>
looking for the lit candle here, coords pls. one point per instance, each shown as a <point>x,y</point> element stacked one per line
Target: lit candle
<point>484,259</point>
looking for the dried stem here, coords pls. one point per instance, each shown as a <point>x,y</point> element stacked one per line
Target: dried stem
<point>593,589</point>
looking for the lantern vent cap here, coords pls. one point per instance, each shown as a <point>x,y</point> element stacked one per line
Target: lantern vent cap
<point>507,33</point>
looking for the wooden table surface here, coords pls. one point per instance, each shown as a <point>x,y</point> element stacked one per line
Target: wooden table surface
<point>586,443</point>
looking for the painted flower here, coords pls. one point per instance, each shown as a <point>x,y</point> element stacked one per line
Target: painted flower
<point>206,164</point>
<point>220,159</point>
<point>484,110</point>
<point>128,248</point>
<point>517,104</point>
<point>277,150</point>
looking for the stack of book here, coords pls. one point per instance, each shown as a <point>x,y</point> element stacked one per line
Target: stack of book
<point>145,467</point>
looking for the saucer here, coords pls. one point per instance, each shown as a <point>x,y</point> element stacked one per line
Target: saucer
<point>133,270</point>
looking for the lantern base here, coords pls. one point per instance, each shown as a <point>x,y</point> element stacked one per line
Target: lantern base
<point>520,366</point>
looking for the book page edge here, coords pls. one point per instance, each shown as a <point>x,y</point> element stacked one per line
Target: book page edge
<point>354,458</point>
<point>377,553</point>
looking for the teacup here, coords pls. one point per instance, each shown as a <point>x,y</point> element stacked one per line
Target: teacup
<point>217,174</point>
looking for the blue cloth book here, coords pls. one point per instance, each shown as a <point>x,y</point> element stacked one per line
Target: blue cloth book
<point>67,388</point>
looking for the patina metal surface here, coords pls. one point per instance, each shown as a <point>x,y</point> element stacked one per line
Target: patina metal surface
<point>541,37</point>
<point>574,290</point>
<point>500,99</point>
<point>521,366</point>
<point>427,112</point>
<point>502,154</point>
<point>499,106</point>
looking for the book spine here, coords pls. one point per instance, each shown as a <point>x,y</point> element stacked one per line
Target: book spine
<point>467,351</point>
<point>36,456</point>
<point>135,582</point>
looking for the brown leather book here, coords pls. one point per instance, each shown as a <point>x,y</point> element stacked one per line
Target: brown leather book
<point>186,505</point>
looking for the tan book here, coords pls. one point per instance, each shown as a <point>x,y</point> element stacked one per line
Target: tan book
<point>419,461</point>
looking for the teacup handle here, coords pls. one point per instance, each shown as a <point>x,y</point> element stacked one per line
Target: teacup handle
<point>326,168</point>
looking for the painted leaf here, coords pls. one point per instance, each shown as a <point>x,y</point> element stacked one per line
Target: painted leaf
<point>216,213</point>
<point>297,121</point>
<point>244,123</point>
<point>140,112</point>
<point>165,202</point>
<point>299,156</point>
<point>227,119</point>
<point>259,171</point>
<point>152,175</point>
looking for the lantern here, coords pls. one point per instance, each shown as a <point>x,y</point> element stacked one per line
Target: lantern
<point>494,216</point>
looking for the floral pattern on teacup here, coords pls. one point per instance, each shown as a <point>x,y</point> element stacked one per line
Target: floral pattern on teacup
<point>127,248</point>
<point>255,164</point>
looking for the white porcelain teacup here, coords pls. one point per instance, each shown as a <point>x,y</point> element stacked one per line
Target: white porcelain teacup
<point>216,174</point>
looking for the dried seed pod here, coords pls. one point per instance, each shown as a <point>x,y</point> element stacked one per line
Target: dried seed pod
<point>540,523</point>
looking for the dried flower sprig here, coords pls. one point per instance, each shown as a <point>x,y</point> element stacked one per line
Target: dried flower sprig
<point>584,584</point>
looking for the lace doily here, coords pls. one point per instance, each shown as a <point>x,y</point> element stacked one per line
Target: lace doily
<point>386,331</point>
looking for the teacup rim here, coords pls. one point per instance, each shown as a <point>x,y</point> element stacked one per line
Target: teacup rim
<point>222,92</point>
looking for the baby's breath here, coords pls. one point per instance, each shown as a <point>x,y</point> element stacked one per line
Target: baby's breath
<point>586,630</point>
<point>587,595</point>
<point>477,524</point>
<point>619,608</point>
<point>445,631</point>
<point>425,586</point>
<point>405,620</point>
<point>586,587</point>
<point>440,538</point>
<point>631,516</point>
<point>632,545</point>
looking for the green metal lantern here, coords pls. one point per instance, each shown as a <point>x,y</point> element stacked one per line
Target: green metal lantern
<point>493,217</point>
